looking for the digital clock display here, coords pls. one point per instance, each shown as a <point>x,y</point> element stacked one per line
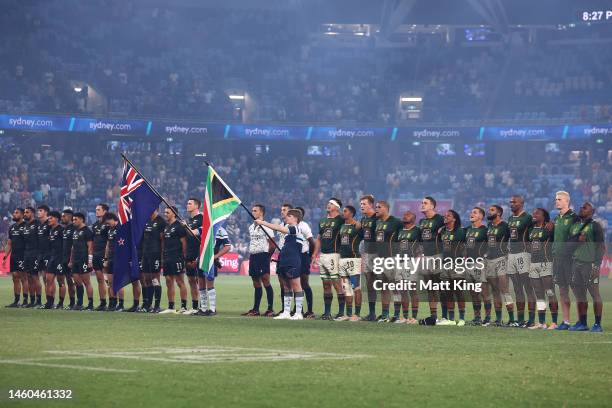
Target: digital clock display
<point>595,15</point>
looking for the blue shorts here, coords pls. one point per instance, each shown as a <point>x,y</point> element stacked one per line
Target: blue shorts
<point>259,264</point>
<point>305,262</point>
<point>289,271</point>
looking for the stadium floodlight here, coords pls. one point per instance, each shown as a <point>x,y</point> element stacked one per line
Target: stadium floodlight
<point>78,89</point>
<point>237,97</point>
<point>411,99</point>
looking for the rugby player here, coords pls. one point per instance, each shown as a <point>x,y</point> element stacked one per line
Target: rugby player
<point>115,299</point>
<point>540,270</point>
<point>387,229</point>
<point>307,249</point>
<point>327,244</point>
<point>350,263</point>
<point>150,263</point>
<point>81,260</point>
<point>519,259</point>
<point>588,246</point>
<point>194,223</point>
<point>30,263</point>
<point>14,249</point>
<point>260,250</point>
<point>368,253</point>
<point>562,256</point>
<point>289,263</point>
<point>100,231</point>
<point>409,239</point>
<point>55,266</point>
<point>430,226</point>
<point>66,278</point>
<point>453,240</point>
<point>476,247</point>
<point>173,258</point>
<point>42,257</point>
<point>497,241</point>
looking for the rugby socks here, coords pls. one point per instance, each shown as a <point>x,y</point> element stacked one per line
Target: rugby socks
<point>477,307</point>
<point>308,294</point>
<point>498,315</point>
<point>415,307</point>
<point>79,290</point>
<point>444,311</point>
<point>203,300</point>
<point>183,303</point>
<point>257,298</point>
<point>598,319</point>
<point>358,310</point>
<point>287,301</point>
<point>520,309</point>
<point>372,308</point>
<point>511,315</point>
<point>327,301</point>
<point>71,304</point>
<point>299,300</point>
<point>270,296</point>
<point>39,299</point>
<point>17,297</point>
<point>554,311</point>
<point>349,310</point>
<point>341,303</point>
<point>50,301</point>
<point>194,304</point>
<point>531,307</point>
<point>25,299</point>
<point>487,308</point>
<point>451,313</point>
<point>158,293</point>
<point>541,316</point>
<point>89,302</point>
<point>212,300</point>
<point>171,305</point>
<point>385,311</point>
<point>397,308</point>
<point>112,302</point>
<point>61,302</point>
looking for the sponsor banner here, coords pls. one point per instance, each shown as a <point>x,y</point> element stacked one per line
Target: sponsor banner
<point>438,133</point>
<point>333,133</point>
<point>230,263</point>
<point>113,126</point>
<point>35,123</point>
<point>175,129</point>
<point>589,131</point>
<point>542,132</point>
<point>400,206</point>
<point>257,132</point>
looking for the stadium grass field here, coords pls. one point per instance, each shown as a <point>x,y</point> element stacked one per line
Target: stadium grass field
<point>129,359</point>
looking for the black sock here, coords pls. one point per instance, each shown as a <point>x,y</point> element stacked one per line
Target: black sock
<point>327,301</point>
<point>25,298</point>
<point>270,296</point>
<point>112,302</point>
<point>282,295</point>
<point>158,293</point>
<point>194,304</point>
<point>120,302</point>
<point>170,305</point>
<point>341,303</point>
<point>257,298</point>
<point>50,300</point>
<point>90,304</point>
<point>38,299</point>
<point>598,319</point>
<point>71,301</point>
<point>308,294</point>
<point>61,301</point>
<point>79,291</point>
<point>137,301</point>
<point>17,298</point>
<point>103,302</point>
<point>183,304</point>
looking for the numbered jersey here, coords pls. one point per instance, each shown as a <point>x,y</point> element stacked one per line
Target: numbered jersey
<point>540,244</point>
<point>497,239</point>
<point>430,234</point>
<point>518,226</point>
<point>475,242</point>
<point>329,232</point>
<point>350,237</point>
<point>410,241</point>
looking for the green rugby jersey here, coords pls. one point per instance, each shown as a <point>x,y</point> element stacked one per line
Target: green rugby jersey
<point>519,232</point>
<point>540,240</point>
<point>452,242</point>
<point>587,241</point>
<point>563,223</point>
<point>409,241</point>
<point>430,236</point>
<point>329,231</point>
<point>497,238</point>
<point>368,228</point>
<point>386,235</point>
<point>475,241</point>
<point>350,237</point>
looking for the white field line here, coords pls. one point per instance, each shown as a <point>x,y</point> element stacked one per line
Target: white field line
<point>71,367</point>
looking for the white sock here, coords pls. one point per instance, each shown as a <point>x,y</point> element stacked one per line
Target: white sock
<point>299,299</point>
<point>203,300</point>
<point>287,302</point>
<point>212,300</point>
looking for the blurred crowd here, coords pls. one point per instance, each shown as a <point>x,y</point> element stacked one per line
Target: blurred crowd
<point>184,62</point>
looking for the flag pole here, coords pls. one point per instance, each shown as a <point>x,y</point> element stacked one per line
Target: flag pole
<point>253,217</point>
<point>159,195</point>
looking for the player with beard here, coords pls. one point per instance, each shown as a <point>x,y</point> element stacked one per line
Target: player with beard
<point>307,249</point>
<point>100,231</point>
<point>328,243</point>
<point>409,238</point>
<point>587,241</point>
<point>368,253</point>
<point>497,240</point>
<point>540,269</point>
<point>453,240</point>
<point>387,229</point>
<point>350,263</point>
<point>430,226</point>
<point>66,278</point>
<point>519,259</point>
<point>194,223</point>
<point>476,247</point>
<point>173,259</point>
<point>14,249</point>
<point>30,263</point>
<point>42,257</point>
<point>111,221</point>
<point>81,261</point>
<point>54,258</point>
<point>151,255</point>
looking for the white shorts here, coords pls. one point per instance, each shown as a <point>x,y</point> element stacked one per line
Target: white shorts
<point>350,266</point>
<point>496,267</point>
<point>540,269</point>
<point>476,274</point>
<point>518,263</point>
<point>329,265</point>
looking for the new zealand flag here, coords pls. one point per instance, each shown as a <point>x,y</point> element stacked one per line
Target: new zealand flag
<point>136,204</point>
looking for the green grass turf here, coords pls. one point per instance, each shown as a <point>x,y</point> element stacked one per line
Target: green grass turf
<point>403,365</point>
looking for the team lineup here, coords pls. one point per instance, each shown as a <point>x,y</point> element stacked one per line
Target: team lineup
<point>533,252</point>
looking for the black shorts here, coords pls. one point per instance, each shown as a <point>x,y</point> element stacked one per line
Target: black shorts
<point>259,264</point>
<point>582,275</point>
<point>80,268</point>
<point>150,264</point>
<point>173,268</point>
<point>55,267</point>
<point>289,271</point>
<point>66,269</point>
<point>193,270</point>
<point>16,264</point>
<point>43,264</point>
<point>98,262</point>
<point>109,268</point>
<point>305,264</point>
<point>30,264</point>
<point>562,271</point>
